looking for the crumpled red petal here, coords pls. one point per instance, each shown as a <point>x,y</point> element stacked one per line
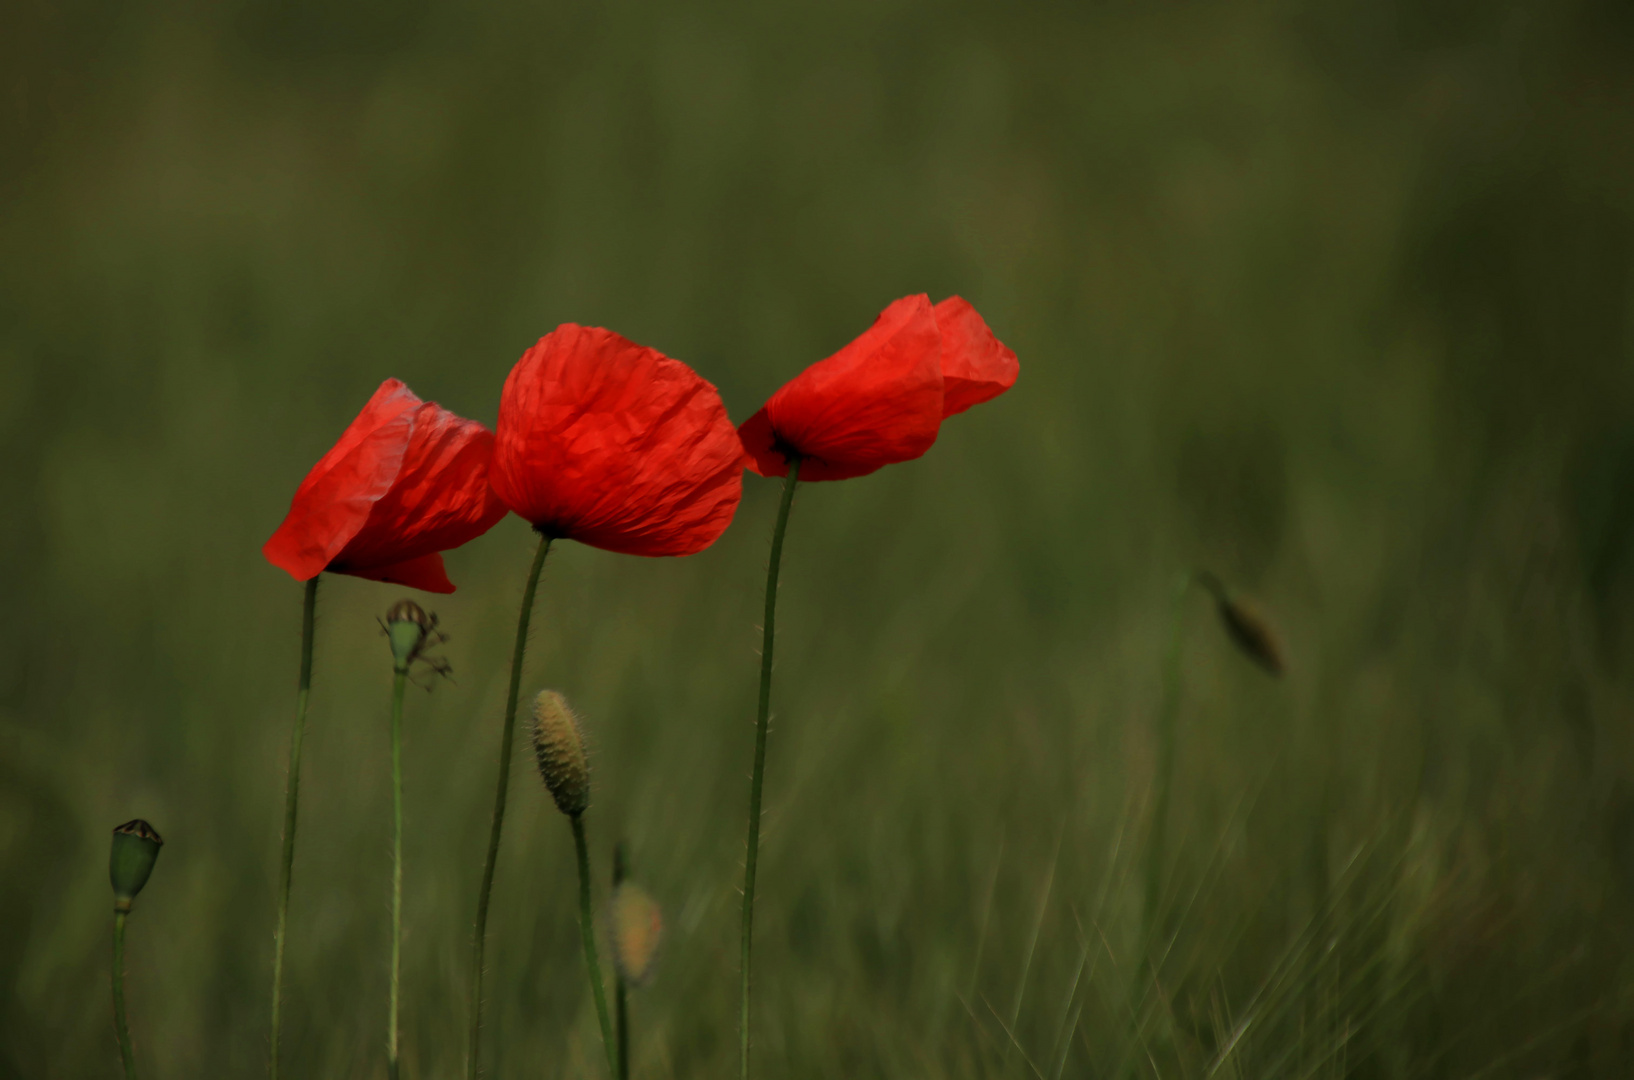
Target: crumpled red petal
<point>333,502</point>
<point>976,366</point>
<point>406,480</point>
<point>616,445</point>
<point>440,499</point>
<point>876,402</point>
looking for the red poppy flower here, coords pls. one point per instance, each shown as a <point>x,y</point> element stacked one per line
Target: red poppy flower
<point>976,366</point>
<point>882,398</point>
<point>616,445</point>
<point>407,480</point>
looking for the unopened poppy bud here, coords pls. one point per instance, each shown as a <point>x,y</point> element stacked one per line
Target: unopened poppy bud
<point>135,849</point>
<point>636,925</point>
<point>559,747</point>
<point>1248,626</point>
<point>406,626</point>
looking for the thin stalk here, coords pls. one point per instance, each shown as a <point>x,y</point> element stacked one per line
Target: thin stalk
<point>757,778</point>
<point>621,1015</point>
<point>506,739</point>
<point>292,791</point>
<point>119,1022</point>
<point>399,681</point>
<point>1163,781</point>
<point>587,927</point>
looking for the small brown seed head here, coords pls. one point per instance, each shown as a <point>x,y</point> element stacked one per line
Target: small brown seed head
<point>407,625</point>
<point>636,927</point>
<point>558,745</point>
<point>406,610</point>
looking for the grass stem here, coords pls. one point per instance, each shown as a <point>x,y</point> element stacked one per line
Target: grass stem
<point>292,791</point>
<point>757,778</point>
<point>587,928</point>
<point>121,1027</point>
<point>507,737</point>
<point>621,1013</point>
<point>399,681</point>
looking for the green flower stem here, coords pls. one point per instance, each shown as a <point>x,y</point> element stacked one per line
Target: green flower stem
<point>399,681</point>
<point>587,928</point>
<point>621,1018</point>
<point>119,1022</point>
<point>1163,780</point>
<point>507,737</point>
<point>757,778</point>
<point>621,1015</point>
<point>292,791</point>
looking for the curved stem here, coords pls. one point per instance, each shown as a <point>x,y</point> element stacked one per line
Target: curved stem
<point>120,1026</point>
<point>399,681</point>
<point>587,928</point>
<point>292,791</point>
<point>757,778</point>
<point>507,737</point>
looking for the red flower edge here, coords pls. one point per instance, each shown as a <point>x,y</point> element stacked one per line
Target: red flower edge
<point>882,398</point>
<point>976,366</point>
<point>406,480</point>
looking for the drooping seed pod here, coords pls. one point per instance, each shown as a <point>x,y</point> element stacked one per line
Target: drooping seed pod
<point>135,849</point>
<point>558,746</point>
<point>1248,626</point>
<point>407,625</point>
<point>636,926</point>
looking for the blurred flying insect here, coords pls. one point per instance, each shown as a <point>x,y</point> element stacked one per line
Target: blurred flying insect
<point>412,631</point>
<point>1249,628</point>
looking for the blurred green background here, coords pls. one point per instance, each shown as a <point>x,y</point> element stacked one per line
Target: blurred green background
<point>1333,299</point>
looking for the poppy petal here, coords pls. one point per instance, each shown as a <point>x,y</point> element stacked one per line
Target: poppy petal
<point>441,498</point>
<point>760,443</point>
<point>425,572</point>
<point>616,445</point>
<point>334,501</point>
<point>876,402</point>
<point>976,366</point>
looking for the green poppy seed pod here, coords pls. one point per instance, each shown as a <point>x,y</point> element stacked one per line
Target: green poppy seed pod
<point>406,626</point>
<point>636,926</point>
<point>135,849</point>
<point>559,747</point>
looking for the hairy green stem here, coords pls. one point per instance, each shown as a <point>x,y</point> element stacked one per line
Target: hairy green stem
<point>507,737</point>
<point>757,778</point>
<point>121,1027</point>
<point>621,1014</point>
<point>399,681</point>
<point>292,791</point>
<point>587,928</point>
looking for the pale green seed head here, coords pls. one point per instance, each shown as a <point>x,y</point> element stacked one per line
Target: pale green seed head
<point>558,746</point>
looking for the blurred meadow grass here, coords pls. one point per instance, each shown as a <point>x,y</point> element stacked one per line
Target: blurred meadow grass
<point>1333,299</point>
